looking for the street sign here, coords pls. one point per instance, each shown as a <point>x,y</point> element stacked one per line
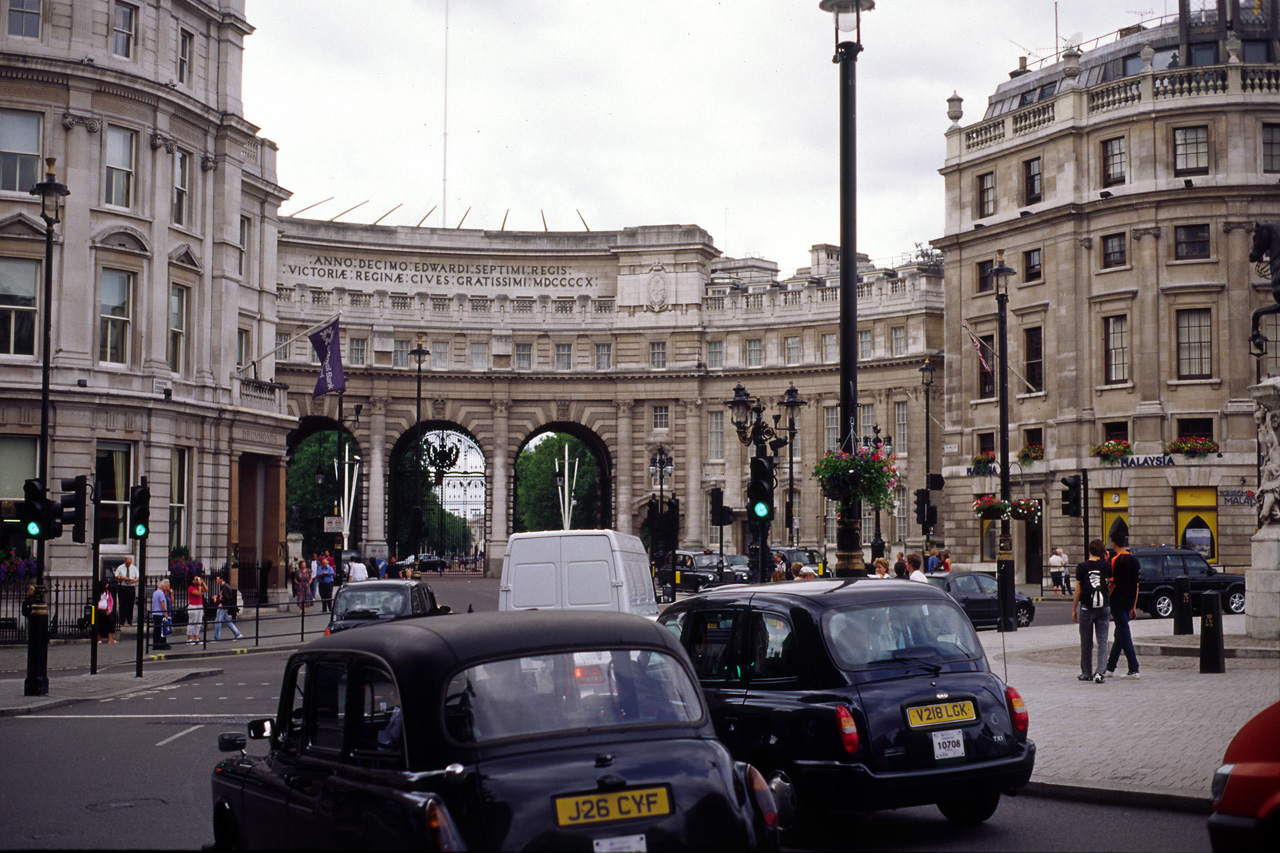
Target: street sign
<point>333,524</point>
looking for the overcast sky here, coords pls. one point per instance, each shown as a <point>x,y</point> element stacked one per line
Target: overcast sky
<point>719,114</point>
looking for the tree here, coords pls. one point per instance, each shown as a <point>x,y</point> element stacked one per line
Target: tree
<point>315,501</point>
<point>537,504</point>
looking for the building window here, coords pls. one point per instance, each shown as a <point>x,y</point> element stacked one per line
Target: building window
<point>1033,437</point>
<point>1115,346</point>
<point>865,349</point>
<point>186,45</point>
<point>1113,161</point>
<point>1032,184</point>
<point>400,354</point>
<point>177,327</point>
<point>115,313</point>
<point>439,355</point>
<point>986,276</point>
<point>755,352</point>
<point>524,356</point>
<point>114,473</point>
<point>120,145</point>
<point>19,150</point>
<point>986,442</point>
<point>564,306</point>
<point>1191,241</point>
<point>1271,328</point>
<point>1033,358</point>
<point>282,346</point>
<point>24,18</point>
<point>1191,150</point>
<point>986,194</point>
<point>1032,268</point>
<point>181,188</point>
<point>124,22</point>
<point>1271,148</point>
<point>19,278</point>
<point>657,354</point>
<point>1113,251</point>
<point>900,424</point>
<point>178,498</point>
<point>715,354</point>
<point>604,356</point>
<point>358,349</point>
<point>244,347</point>
<point>1195,427</point>
<point>479,356</point>
<point>830,348</point>
<point>866,418</point>
<point>791,349</point>
<point>986,378</point>
<point>898,340</point>
<point>564,356</point>
<point>831,428</point>
<point>715,436</point>
<point>661,417</point>
<point>246,229</point>
<point>1195,344</point>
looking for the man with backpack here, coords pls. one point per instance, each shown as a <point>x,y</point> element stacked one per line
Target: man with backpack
<point>1089,609</point>
<point>1124,604</point>
<point>227,606</point>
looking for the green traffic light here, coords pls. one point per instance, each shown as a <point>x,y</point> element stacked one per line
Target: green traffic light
<point>33,529</point>
<point>760,510</point>
<point>139,531</point>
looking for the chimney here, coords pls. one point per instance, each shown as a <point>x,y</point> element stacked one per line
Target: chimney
<point>1022,68</point>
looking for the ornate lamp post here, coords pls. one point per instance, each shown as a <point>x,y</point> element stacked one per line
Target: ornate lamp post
<point>874,442</point>
<point>848,18</point>
<point>746,413</point>
<point>419,352</point>
<point>1004,555</point>
<point>661,466</point>
<point>926,382</point>
<point>51,193</point>
<point>792,403</point>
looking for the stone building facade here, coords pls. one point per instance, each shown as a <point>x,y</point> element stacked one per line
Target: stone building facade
<point>1121,183</point>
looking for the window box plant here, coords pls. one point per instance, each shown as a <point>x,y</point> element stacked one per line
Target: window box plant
<point>1112,451</point>
<point>1192,445</point>
<point>1030,453</point>
<point>983,463</point>
<point>866,475</point>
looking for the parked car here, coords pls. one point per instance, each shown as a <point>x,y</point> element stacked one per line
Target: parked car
<point>551,730</point>
<point>382,600</point>
<point>1246,788</point>
<point>857,695</point>
<point>698,569</point>
<point>1160,566</point>
<point>978,594</point>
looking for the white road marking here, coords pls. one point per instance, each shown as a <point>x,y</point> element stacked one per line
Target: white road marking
<point>172,738</point>
<point>116,716</point>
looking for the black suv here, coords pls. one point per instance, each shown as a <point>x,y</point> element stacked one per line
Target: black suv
<point>1161,566</point>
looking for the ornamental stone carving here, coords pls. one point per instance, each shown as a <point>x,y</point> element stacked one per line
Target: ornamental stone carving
<point>657,290</point>
<point>93,124</point>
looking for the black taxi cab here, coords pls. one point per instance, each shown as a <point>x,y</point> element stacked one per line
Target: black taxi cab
<point>497,731</point>
<point>857,695</point>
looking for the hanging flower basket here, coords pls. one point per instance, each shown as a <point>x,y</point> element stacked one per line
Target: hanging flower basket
<point>1025,509</point>
<point>17,569</point>
<point>983,463</point>
<point>1112,451</point>
<point>1030,453</point>
<point>1192,446</point>
<point>867,475</point>
<point>989,506</point>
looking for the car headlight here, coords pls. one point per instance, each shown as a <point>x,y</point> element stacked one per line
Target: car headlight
<point>1220,778</point>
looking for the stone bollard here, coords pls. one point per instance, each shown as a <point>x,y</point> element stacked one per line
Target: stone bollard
<point>1212,655</point>
<point>1182,607</point>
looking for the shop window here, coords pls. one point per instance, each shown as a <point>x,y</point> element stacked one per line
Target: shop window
<point>1197,510</point>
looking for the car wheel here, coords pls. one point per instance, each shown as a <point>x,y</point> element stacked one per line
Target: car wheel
<point>970,810</point>
<point>1235,600</point>
<point>1023,615</point>
<point>1162,605</point>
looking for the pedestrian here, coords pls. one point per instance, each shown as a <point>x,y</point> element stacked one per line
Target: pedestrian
<point>304,586</point>
<point>326,586</point>
<point>1056,564</point>
<point>901,562</point>
<point>779,576</point>
<point>357,571</point>
<point>226,609</point>
<point>794,571</point>
<point>915,561</point>
<point>946,561</point>
<point>104,619</point>
<point>881,566</point>
<point>1124,604</point>
<point>315,576</point>
<point>380,566</point>
<point>195,608</point>
<point>933,560</point>
<point>127,583</point>
<point>161,615</point>
<point>900,572</point>
<point>1090,611</point>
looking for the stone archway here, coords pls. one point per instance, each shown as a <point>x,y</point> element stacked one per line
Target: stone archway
<point>463,489</point>
<point>313,451</point>
<point>599,450</point>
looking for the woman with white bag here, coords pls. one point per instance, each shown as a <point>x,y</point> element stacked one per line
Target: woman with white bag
<point>104,617</point>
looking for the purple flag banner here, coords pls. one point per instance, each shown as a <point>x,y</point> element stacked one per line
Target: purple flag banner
<point>325,340</point>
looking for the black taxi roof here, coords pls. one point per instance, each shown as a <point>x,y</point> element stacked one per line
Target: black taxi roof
<point>831,592</point>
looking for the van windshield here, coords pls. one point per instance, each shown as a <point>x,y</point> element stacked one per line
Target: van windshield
<point>870,636</point>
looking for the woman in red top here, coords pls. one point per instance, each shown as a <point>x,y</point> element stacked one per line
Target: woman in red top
<point>195,609</point>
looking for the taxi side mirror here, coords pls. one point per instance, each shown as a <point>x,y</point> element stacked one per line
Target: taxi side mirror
<point>231,742</point>
<point>261,729</point>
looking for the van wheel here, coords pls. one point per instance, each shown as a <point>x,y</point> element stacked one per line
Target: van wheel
<point>1162,604</point>
<point>1235,600</point>
<point>971,810</point>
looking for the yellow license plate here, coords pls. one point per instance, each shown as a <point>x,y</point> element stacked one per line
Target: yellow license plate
<point>943,712</point>
<point>616,805</point>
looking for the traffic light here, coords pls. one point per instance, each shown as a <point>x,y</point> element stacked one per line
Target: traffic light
<point>73,500</point>
<point>931,517</point>
<point>760,489</point>
<point>717,505</point>
<point>36,513</point>
<point>671,521</point>
<point>922,506</point>
<point>1071,496</point>
<point>139,512</point>
<point>936,482</point>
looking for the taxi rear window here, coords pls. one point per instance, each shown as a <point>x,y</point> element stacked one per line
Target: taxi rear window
<point>567,692</point>
<point>882,634</point>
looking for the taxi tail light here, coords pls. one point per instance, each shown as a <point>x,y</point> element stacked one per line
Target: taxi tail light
<point>762,797</point>
<point>1017,711</point>
<point>848,729</point>
<point>326,630</point>
<point>443,833</point>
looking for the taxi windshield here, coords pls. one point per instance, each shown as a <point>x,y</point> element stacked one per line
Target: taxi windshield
<point>569,691</point>
<point>869,636</point>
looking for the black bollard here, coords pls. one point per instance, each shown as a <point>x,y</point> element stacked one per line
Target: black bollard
<point>1212,656</point>
<point>1182,607</point>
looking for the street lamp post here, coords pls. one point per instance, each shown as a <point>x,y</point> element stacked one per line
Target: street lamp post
<point>792,403</point>
<point>875,443</point>
<point>746,413</point>
<point>661,466</point>
<point>926,382</point>
<point>51,193</point>
<point>848,18</point>
<point>1004,555</point>
<point>419,352</point>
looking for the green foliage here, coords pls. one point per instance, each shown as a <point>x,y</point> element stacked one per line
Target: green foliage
<point>314,501</point>
<point>537,504</point>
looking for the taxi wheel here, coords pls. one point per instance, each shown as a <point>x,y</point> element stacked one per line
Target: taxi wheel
<point>970,811</point>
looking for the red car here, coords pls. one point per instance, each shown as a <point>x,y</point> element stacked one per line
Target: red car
<point>1246,788</point>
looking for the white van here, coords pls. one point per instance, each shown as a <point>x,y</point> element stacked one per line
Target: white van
<point>577,570</point>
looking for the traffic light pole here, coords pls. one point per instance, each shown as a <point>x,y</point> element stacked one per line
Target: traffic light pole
<point>1084,508</point>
